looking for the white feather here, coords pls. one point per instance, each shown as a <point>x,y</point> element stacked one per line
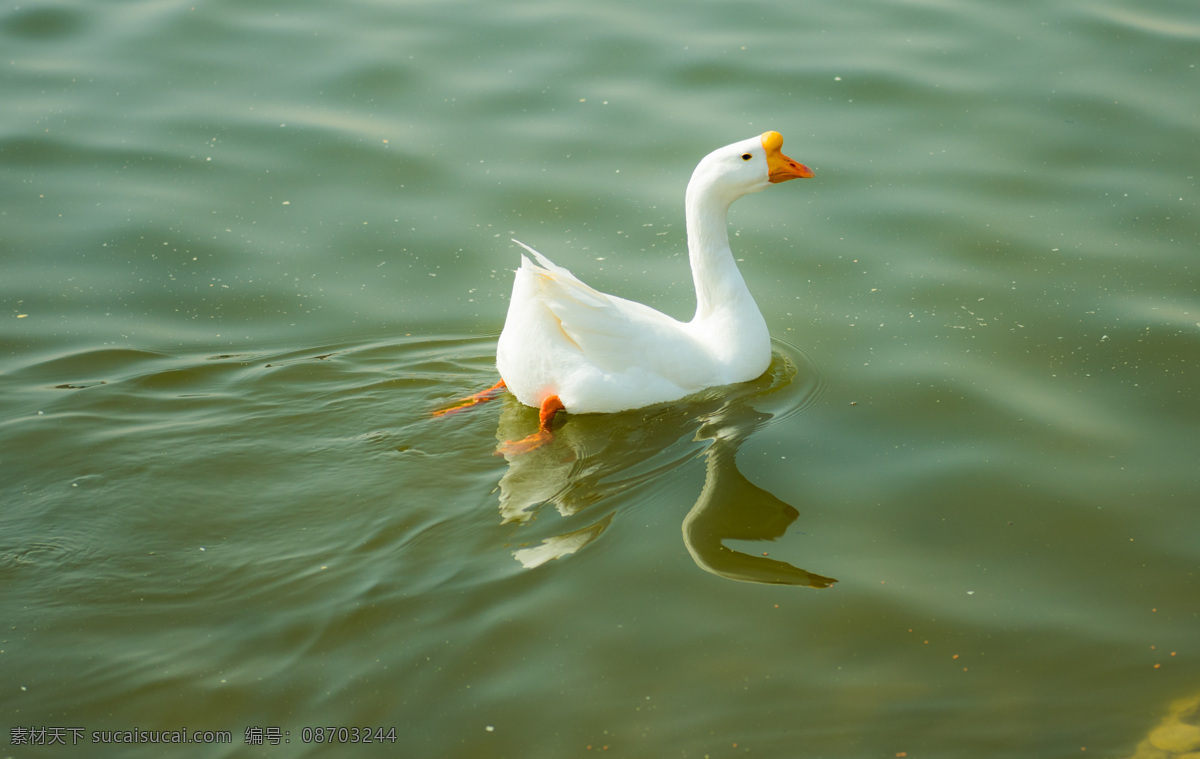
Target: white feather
<point>601,353</point>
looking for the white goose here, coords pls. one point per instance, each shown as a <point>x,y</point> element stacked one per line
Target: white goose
<point>568,346</point>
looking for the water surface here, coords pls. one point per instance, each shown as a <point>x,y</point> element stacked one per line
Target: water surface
<point>247,249</point>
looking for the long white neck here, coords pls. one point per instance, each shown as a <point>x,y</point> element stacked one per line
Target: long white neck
<point>720,288</point>
<point>727,317</point>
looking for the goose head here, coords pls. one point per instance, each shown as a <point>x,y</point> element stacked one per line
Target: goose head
<point>745,167</point>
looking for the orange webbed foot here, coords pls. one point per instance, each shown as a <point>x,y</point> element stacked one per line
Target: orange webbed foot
<point>550,406</point>
<point>525,444</point>
<point>471,401</point>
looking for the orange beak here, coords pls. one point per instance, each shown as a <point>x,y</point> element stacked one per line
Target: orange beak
<point>780,168</point>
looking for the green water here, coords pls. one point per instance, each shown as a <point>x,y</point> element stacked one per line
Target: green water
<point>247,248</point>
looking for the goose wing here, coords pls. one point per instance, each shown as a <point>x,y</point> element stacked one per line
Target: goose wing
<point>614,334</point>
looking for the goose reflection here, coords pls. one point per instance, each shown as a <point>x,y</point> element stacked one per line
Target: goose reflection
<point>596,457</point>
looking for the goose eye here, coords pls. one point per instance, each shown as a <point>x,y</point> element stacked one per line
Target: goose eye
<point>746,156</point>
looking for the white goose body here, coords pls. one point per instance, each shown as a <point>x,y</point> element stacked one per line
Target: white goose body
<point>601,353</point>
